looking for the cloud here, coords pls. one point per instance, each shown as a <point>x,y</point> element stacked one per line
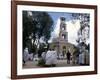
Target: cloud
<point>72,29</point>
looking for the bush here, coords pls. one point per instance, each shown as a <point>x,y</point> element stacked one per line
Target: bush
<point>41,62</point>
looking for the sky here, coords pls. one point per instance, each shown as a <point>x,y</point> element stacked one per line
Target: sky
<point>56,15</point>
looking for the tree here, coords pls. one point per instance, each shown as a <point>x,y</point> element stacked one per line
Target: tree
<point>83,32</point>
<point>84,26</point>
<point>37,27</point>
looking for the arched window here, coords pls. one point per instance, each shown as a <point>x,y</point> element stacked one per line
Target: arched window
<point>64,47</point>
<point>63,36</point>
<point>63,28</point>
<point>64,50</point>
<point>63,25</point>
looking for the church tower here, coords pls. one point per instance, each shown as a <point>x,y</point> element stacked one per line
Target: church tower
<point>63,34</point>
<point>61,44</point>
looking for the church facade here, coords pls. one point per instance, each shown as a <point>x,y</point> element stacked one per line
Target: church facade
<point>61,44</point>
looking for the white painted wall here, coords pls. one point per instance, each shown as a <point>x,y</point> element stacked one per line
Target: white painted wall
<point>5,40</point>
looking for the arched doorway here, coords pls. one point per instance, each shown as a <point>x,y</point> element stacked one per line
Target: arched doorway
<point>64,52</point>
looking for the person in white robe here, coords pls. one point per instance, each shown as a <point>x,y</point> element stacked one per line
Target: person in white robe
<point>81,58</point>
<point>48,58</point>
<point>36,57</point>
<point>54,58</point>
<point>43,55</point>
<point>51,58</point>
<point>25,55</point>
<point>84,57</point>
<point>30,56</point>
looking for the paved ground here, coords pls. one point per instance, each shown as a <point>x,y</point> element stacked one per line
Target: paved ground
<point>60,63</point>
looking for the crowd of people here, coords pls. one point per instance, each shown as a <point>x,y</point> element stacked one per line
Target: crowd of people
<point>83,58</point>
<point>50,57</point>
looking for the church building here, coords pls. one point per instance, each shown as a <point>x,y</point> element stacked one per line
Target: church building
<point>61,44</point>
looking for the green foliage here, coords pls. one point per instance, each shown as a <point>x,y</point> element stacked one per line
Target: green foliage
<point>41,62</point>
<point>36,26</point>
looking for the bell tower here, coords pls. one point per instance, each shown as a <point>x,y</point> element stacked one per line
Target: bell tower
<point>61,44</point>
<point>63,34</point>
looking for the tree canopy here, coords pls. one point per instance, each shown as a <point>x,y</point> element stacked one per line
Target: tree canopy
<point>37,27</point>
